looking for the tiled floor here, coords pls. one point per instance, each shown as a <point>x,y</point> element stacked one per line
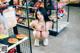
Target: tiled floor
<point>68,41</point>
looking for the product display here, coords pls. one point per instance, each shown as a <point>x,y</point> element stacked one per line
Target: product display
<point>59,17</point>
<point>21,14</point>
<point>10,16</point>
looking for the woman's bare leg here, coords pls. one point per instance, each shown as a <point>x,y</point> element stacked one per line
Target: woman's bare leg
<point>36,37</point>
<point>45,35</point>
<point>48,25</point>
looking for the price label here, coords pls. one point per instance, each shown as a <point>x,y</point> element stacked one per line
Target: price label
<point>3,48</point>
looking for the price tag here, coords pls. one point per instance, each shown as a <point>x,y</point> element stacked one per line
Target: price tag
<point>3,48</point>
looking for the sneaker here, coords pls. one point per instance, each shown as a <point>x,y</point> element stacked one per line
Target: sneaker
<point>36,42</point>
<point>45,42</point>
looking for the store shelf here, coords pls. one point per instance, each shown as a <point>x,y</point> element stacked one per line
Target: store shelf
<point>24,26</point>
<point>14,45</point>
<point>25,7</point>
<point>61,26</point>
<point>24,17</point>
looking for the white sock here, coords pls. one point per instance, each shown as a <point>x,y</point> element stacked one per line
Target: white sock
<point>36,42</point>
<point>45,42</point>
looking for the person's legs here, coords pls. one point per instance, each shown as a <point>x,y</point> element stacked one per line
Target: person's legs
<point>48,25</point>
<point>36,37</point>
<point>45,35</point>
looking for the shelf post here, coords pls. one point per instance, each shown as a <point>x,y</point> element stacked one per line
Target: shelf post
<point>57,17</point>
<point>28,26</point>
<point>68,12</point>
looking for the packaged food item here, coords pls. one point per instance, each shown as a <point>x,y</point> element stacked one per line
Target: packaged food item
<point>4,1</point>
<point>61,4</point>
<point>20,20</point>
<point>12,40</point>
<point>21,36</point>
<point>16,2</point>
<point>13,50</point>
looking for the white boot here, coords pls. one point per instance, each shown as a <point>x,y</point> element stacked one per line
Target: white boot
<point>36,42</point>
<point>45,42</point>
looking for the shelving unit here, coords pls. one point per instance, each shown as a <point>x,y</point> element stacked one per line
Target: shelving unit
<point>14,45</point>
<point>25,27</point>
<point>21,46</point>
<point>60,24</point>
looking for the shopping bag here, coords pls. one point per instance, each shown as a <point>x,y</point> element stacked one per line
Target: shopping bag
<point>2,24</point>
<point>10,17</point>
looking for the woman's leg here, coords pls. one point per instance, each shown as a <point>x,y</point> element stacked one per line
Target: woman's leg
<point>36,37</point>
<point>45,35</point>
<point>48,25</point>
<point>36,34</point>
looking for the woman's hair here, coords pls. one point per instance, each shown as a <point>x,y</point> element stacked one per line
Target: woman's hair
<point>38,4</point>
<point>36,15</point>
<point>44,13</point>
<point>58,0</point>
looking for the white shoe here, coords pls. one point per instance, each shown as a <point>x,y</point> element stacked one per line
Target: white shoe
<point>45,42</point>
<point>36,42</point>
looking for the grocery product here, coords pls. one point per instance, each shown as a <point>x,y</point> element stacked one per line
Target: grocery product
<point>12,40</point>
<point>21,36</point>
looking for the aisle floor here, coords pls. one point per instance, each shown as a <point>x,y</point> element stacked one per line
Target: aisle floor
<point>68,41</point>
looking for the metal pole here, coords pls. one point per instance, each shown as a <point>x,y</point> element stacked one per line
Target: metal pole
<point>57,17</point>
<point>68,12</point>
<point>28,27</point>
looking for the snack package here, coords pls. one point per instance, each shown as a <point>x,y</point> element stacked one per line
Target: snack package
<point>13,50</point>
<point>60,12</point>
<point>4,1</point>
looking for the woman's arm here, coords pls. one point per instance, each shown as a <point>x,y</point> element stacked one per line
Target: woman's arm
<point>32,25</point>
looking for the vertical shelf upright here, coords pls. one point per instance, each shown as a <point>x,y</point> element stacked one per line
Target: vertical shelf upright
<point>28,26</point>
<point>16,30</point>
